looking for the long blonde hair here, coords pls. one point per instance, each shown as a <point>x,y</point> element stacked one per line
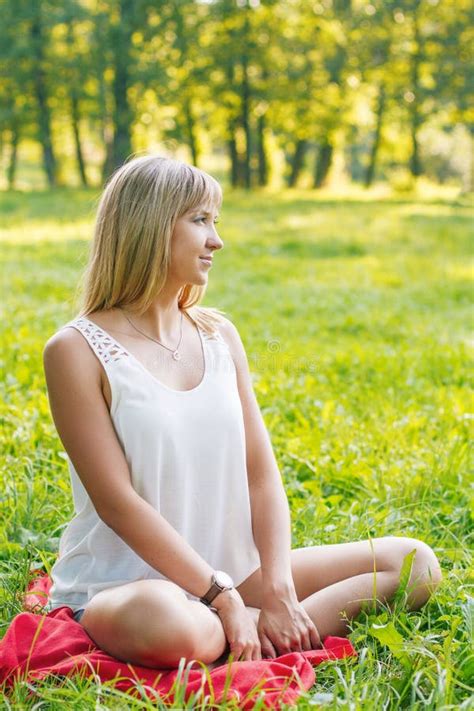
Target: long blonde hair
<point>130,251</point>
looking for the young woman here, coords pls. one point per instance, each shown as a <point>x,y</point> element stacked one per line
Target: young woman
<point>181,542</point>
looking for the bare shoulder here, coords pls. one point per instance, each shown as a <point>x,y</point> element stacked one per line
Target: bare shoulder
<point>231,335</point>
<point>226,328</point>
<point>68,343</point>
<point>61,342</point>
<point>68,351</point>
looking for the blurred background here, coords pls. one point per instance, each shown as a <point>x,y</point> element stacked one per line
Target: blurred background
<point>267,93</point>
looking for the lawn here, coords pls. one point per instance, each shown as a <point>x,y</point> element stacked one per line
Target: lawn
<point>357,319</point>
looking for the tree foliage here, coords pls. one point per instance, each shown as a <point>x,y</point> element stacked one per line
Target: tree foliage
<point>240,77</point>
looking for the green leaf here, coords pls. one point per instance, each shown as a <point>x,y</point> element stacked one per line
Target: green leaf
<point>405,573</point>
<point>391,638</point>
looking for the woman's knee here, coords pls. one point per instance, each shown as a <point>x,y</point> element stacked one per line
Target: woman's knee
<point>426,572</point>
<point>191,631</point>
<point>144,624</point>
<point>166,620</point>
<point>207,632</point>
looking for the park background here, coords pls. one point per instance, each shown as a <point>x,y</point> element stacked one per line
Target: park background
<point>341,133</point>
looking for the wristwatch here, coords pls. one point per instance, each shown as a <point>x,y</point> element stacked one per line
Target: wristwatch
<point>220,581</point>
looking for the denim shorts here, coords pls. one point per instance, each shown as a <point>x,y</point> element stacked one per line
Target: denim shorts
<point>78,614</point>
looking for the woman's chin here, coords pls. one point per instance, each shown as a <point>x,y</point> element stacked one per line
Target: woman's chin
<point>200,279</point>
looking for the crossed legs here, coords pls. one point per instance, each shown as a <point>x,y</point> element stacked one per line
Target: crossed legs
<point>152,622</point>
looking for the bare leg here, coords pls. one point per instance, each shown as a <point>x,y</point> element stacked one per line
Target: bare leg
<point>337,578</point>
<point>152,623</point>
<point>326,607</point>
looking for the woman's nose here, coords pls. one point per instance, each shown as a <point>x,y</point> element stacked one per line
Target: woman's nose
<point>216,240</point>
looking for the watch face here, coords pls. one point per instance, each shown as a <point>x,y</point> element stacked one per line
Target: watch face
<point>223,579</point>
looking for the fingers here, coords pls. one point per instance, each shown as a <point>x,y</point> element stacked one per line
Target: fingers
<point>265,649</point>
<point>268,650</point>
<point>255,652</point>
<point>246,652</point>
<point>306,641</point>
<point>309,639</point>
<point>315,637</point>
<point>242,636</point>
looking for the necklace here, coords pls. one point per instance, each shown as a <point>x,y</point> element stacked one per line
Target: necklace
<point>175,351</point>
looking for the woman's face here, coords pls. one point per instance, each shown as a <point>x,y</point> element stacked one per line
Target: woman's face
<point>194,237</point>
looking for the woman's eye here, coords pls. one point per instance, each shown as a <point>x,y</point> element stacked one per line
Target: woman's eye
<point>203,219</point>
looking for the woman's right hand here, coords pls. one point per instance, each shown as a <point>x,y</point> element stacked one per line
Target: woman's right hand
<point>239,627</point>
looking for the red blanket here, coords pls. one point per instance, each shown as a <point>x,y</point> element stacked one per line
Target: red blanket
<point>38,644</point>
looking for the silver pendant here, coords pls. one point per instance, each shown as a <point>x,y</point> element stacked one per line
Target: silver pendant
<point>176,355</point>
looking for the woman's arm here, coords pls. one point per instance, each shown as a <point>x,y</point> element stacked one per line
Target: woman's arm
<point>271,521</point>
<point>283,623</point>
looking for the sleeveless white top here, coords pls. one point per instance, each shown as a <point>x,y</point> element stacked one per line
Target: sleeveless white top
<point>186,455</point>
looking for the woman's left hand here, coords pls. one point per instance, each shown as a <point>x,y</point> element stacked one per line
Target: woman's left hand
<point>285,626</point>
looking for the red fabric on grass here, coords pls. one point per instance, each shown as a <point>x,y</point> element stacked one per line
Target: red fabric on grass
<point>36,645</point>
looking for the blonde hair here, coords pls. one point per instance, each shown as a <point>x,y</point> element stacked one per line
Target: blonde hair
<point>130,252</point>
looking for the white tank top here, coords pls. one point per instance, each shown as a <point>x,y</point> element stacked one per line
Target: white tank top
<point>186,455</point>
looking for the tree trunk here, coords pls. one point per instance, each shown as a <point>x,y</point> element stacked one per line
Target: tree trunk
<point>297,161</point>
<point>334,63</point>
<point>75,114</point>
<point>122,115</point>
<point>232,124</point>
<point>104,97</point>
<point>415,116</point>
<point>245,101</point>
<point>107,133</point>
<point>44,114</point>
<point>191,130</point>
<point>77,138</point>
<point>245,122</point>
<point>11,171</point>
<point>369,176</point>
<point>190,122</point>
<point>262,151</point>
<point>323,163</point>
<point>415,162</point>
<point>233,155</point>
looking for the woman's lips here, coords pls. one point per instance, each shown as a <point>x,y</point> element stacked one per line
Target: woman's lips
<point>206,260</point>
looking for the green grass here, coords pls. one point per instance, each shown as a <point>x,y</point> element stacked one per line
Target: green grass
<point>357,319</point>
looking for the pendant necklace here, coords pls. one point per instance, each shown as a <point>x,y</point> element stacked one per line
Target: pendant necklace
<point>175,351</point>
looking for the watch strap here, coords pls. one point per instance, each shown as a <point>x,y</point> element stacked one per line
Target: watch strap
<point>213,591</point>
